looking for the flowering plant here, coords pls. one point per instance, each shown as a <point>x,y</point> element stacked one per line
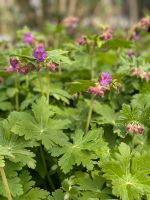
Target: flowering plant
<point>75,113</point>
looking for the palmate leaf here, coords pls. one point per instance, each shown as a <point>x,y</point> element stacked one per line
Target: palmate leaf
<point>129,114</point>
<point>83,150</point>
<point>108,115</point>
<point>14,147</point>
<point>141,100</point>
<point>30,192</point>
<point>57,195</point>
<point>117,43</point>
<point>129,173</point>
<point>80,85</point>
<point>2,162</point>
<point>39,126</point>
<point>4,103</point>
<point>11,170</point>
<point>59,56</point>
<point>91,188</point>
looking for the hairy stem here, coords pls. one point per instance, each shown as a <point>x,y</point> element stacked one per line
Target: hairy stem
<point>17,93</point>
<point>40,83</point>
<point>45,168</point>
<point>89,114</point>
<point>5,183</point>
<point>48,85</point>
<point>133,142</point>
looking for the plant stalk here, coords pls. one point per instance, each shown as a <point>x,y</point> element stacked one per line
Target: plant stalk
<point>45,168</point>
<point>133,142</point>
<point>89,114</point>
<point>40,83</point>
<point>17,93</point>
<point>48,85</point>
<point>5,182</point>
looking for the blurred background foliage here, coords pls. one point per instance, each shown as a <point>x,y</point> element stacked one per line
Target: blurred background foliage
<point>15,14</point>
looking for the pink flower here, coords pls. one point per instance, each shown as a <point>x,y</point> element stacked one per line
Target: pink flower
<point>97,89</point>
<point>28,37</point>
<point>71,23</point>
<point>107,34</point>
<point>9,69</point>
<point>52,66</point>
<point>81,40</point>
<point>145,21</point>
<point>135,36</point>
<point>135,127</point>
<point>139,71</point>
<point>131,53</point>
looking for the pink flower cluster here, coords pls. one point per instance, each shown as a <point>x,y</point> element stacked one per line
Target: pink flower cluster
<point>101,86</point>
<point>144,22</point>
<point>107,34</point>
<point>135,36</point>
<point>52,66</point>
<point>17,65</point>
<point>81,40</point>
<point>130,53</point>
<point>139,71</point>
<point>135,127</point>
<point>28,37</point>
<point>98,89</point>
<point>71,23</point>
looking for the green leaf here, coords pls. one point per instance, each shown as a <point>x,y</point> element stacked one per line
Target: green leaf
<point>13,180</point>
<point>129,173</point>
<point>4,103</point>
<point>31,192</point>
<point>80,85</point>
<point>2,162</point>
<point>57,195</point>
<point>13,146</point>
<point>39,126</point>
<point>107,113</point>
<point>59,56</point>
<point>60,94</point>
<point>91,187</point>
<point>83,150</point>
<point>117,43</point>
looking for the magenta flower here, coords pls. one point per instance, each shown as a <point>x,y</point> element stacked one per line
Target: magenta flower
<point>131,53</point>
<point>81,40</point>
<point>105,78</point>
<point>14,63</point>
<point>28,37</point>
<point>39,53</point>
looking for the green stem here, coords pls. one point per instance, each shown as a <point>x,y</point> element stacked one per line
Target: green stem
<point>89,114</point>
<point>45,168</point>
<point>133,142</point>
<point>27,82</point>
<point>40,83</point>
<point>48,84</point>
<point>5,182</point>
<point>17,93</point>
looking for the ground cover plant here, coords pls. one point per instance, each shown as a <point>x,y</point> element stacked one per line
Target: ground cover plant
<point>75,113</point>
